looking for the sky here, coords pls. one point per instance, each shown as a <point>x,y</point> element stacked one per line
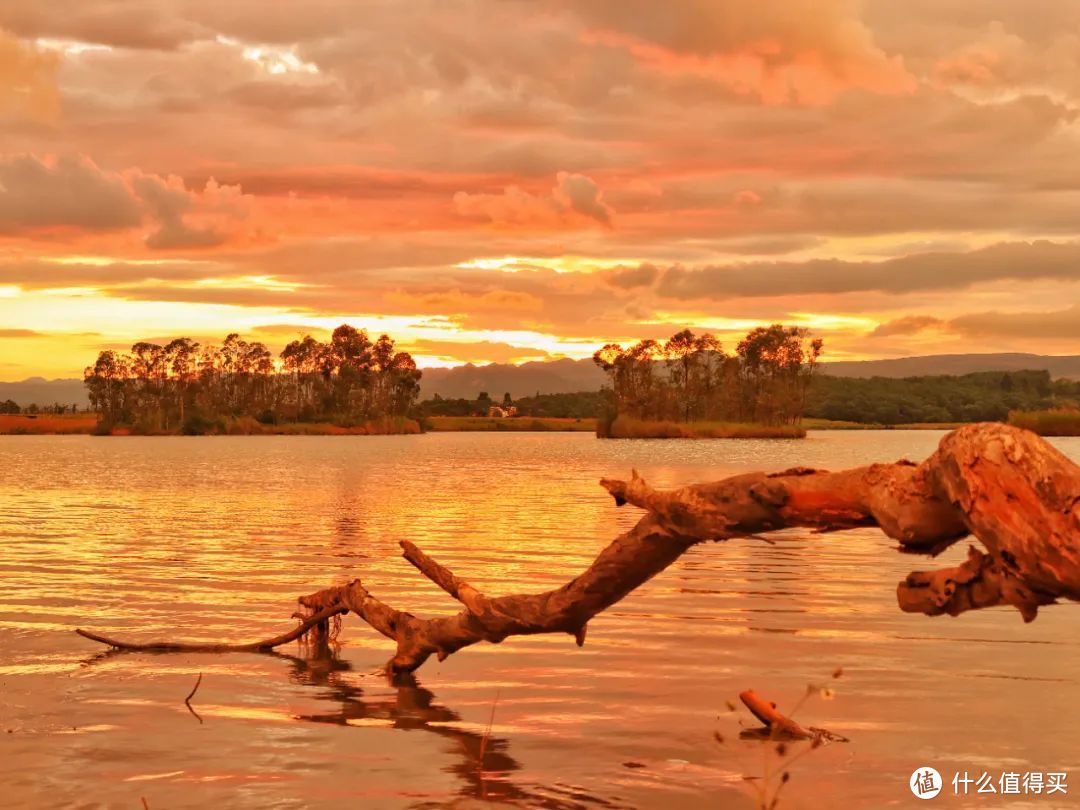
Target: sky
<point>514,180</point>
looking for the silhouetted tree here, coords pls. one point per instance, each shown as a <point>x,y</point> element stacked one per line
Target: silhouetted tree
<point>182,385</point>
<point>690,378</point>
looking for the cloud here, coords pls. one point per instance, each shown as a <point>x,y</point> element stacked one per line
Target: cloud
<point>27,81</point>
<point>118,23</point>
<point>1026,261</point>
<point>781,51</point>
<point>907,325</point>
<point>577,192</point>
<point>1061,325</point>
<point>629,278</point>
<point>71,192</point>
<point>20,333</point>
<point>169,202</point>
<point>574,199</point>
<point>483,351</point>
<point>415,163</point>
<point>66,192</point>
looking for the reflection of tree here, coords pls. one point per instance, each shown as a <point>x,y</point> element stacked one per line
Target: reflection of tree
<point>484,762</point>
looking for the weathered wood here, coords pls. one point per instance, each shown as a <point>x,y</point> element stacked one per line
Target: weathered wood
<point>1014,492</point>
<point>779,725</point>
<point>308,624</point>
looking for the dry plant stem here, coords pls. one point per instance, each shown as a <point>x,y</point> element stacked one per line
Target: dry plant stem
<point>191,694</point>
<point>1018,495</point>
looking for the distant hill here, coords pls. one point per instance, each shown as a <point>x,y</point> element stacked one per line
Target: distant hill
<point>45,392</point>
<point>547,377</point>
<point>567,376</point>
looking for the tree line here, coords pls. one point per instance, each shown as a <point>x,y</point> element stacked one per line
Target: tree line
<point>976,397</point>
<point>183,386</point>
<point>10,406</point>
<point>690,378</point>
<point>984,396</point>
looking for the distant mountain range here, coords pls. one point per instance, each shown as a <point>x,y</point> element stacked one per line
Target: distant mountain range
<point>564,376</point>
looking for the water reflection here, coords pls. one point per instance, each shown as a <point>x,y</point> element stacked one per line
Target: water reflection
<point>481,761</point>
<point>213,539</point>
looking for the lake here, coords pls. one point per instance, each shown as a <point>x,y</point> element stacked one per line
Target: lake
<point>214,538</point>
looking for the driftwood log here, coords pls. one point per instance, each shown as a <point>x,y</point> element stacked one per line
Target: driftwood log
<point>1008,488</point>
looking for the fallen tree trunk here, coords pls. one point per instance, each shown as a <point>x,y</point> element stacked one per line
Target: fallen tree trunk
<point>1014,492</point>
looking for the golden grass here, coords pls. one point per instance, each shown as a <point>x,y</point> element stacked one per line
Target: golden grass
<point>1055,422</point>
<point>513,423</point>
<point>246,426</point>
<point>626,428</point>
<point>837,424</point>
<point>40,424</point>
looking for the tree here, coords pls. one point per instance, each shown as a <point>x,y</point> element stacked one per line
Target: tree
<point>767,381</point>
<point>183,385</point>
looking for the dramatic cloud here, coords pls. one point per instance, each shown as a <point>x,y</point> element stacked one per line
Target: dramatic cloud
<point>1062,324</point>
<point>927,271</point>
<point>629,278</point>
<point>69,192</point>
<point>803,51</point>
<point>169,202</point>
<point>908,325</point>
<point>541,177</point>
<point>575,198</point>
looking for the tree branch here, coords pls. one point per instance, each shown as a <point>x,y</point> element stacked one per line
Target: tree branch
<point>1017,494</point>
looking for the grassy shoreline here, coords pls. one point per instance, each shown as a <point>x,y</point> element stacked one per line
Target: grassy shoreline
<point>625,428</point>
<point>492,424</point>
<point>1045,423</point>
<point>1057,422</point>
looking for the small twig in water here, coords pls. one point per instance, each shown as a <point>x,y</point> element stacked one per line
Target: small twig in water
<point>187,701</point>
<point>484,743</point>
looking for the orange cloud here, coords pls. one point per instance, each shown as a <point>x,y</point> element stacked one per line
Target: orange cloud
<point>779,51</point>
<point>575,199</point>
<point>27,81</point>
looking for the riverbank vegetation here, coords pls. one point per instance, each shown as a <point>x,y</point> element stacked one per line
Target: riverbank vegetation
<point>986,396</point>
<point>1055,422</point>
<point>690,380</point>
<point>28,424</point>
<point>349,382</point>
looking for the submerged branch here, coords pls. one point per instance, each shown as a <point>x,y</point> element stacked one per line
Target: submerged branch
<point>254,646</point>
<point>1016,494</point>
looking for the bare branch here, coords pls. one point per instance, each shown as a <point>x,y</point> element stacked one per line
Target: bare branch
<point>254,646</point>
<point>1013,491</point>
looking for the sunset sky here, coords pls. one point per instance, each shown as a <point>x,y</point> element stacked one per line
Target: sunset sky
<point>515,180</point>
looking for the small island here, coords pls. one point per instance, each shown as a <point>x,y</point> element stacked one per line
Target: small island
<point>688,387</point>
<point>350,385</point>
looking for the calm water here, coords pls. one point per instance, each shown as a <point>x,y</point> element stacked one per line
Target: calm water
<point>214,538</point>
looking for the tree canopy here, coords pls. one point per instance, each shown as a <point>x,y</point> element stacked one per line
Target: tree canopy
<point>690,378</point>
<point>184,386</point>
